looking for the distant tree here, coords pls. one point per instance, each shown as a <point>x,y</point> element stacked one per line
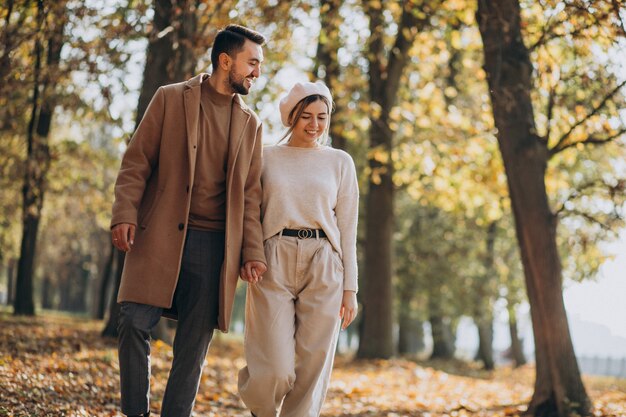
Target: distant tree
<point>386,64</point>
<point>47,50</point>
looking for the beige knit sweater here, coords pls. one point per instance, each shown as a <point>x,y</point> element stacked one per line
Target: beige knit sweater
<point>313,188</point>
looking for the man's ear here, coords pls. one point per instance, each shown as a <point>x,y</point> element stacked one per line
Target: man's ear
<point>225,61</point>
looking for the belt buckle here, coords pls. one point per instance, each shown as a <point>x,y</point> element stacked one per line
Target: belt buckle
<point>305,233</point>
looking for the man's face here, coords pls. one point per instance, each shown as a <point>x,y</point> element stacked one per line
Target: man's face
<point>245,68</point>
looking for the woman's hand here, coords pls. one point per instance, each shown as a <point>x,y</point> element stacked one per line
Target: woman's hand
<point>252,271</point>
<point>349,308</point>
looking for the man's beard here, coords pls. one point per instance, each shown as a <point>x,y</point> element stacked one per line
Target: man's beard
<point>237,85</point>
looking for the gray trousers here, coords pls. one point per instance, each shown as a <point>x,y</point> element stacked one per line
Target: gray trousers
<point>196,300</point>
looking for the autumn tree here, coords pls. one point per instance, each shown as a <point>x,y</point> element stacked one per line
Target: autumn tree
<point>47,49</point>
<point>385,70</point>
<point>526,153</point>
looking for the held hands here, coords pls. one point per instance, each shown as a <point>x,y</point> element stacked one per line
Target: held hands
<point>123,236</point>
<point>349,308</point>
<point>252,271</point>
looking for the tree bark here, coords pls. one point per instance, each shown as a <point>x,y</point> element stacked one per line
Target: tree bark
<point>170,57</point>
<point>10,281</point>
<point>105,283</point>
<point>376,339</point>
<point>410,335</point>
<point>327,64</point>
<point>443,341</point>
<point>38,158</point>
<point>46,293</point>
<point>485,343</point>
<point>517,349</point>
<point>110,328</point>
<point>80,290</point>
<point>558,386</point>
<point>485,293</point>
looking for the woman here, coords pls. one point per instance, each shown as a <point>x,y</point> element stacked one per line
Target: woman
<point>309,217</point>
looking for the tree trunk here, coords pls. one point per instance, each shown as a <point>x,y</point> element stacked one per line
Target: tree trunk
<point>327,64</point>
<point>80,290</point>
<point>46,293</point>
<point>170,57</point>
<point>110,328</point>
<point>443,340</point>
<point>37,160</point>
<point>10,281</point>
<point>517,349</point>
<point>558,387</point>
<point>376,339</point>
<point>485,343</point>
<point>410,335</point>
<point>105,283</point>
<point>485,293</point>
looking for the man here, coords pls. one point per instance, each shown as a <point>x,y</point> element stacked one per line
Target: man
<point>187,212</point>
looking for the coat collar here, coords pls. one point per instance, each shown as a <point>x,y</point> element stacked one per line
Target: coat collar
<point>196,82</point>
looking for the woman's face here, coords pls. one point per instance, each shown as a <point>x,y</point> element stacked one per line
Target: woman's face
<point>311,125</point>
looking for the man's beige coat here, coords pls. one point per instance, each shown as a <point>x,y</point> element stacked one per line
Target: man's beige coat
<point>153,192</point>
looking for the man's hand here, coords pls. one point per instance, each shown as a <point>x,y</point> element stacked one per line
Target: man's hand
<point>253,271</point>
<point>123,236</point>
<point>349,308</point>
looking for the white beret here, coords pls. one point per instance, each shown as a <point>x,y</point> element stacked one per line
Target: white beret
<point>297,93</point>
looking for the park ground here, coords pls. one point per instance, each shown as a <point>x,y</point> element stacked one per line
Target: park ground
<point>54,365</point>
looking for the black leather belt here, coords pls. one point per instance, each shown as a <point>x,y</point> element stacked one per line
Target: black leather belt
<point>304,233</point>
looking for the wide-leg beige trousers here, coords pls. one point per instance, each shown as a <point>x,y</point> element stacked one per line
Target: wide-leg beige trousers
<point>292,324</point>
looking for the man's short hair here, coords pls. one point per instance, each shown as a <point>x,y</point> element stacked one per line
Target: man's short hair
<point>230,40</point>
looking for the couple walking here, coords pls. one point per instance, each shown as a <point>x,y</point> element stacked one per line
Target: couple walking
<point>196,206</point>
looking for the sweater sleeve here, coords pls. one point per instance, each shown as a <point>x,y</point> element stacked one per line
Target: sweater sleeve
<point>347,212</point>
<point>139,159</point>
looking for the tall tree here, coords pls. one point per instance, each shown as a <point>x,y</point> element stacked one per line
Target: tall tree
<point>47,49</point>
<point>558,387</point>
<point>386,66</point>
<point>484,290</point>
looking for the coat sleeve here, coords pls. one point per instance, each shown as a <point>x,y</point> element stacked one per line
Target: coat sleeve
<point>252,248</point>
<point>140,158</point>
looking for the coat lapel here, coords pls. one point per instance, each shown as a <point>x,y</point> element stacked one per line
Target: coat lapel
<point>239,119</point>
<point>192,115</point>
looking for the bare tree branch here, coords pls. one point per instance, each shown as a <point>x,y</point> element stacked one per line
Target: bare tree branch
<point>590,140</point>
<point>561,143</point>
<point>549,31</point>
<point>590,218</point>
<point>550,109</point>
<point>578,192</point>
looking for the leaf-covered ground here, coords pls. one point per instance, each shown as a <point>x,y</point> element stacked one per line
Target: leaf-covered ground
<point>60,366</point>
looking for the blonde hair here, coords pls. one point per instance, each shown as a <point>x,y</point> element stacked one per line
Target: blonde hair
<point>296,113</point>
